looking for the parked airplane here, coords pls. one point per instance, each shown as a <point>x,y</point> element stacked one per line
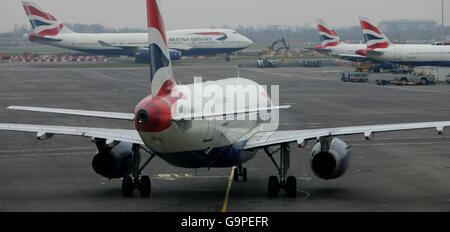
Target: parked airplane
<point>379,47</point>
<point>200,42</point>
<point>333,45</point>
<point>190,136</point>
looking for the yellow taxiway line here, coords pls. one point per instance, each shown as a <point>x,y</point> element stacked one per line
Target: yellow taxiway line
<point>225,201</point>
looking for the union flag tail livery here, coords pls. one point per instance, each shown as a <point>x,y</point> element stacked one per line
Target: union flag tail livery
<point>373,36</point>
<point>43,23</point>
<point>328,36</point>
<point>161,76</point>
<point>333,45</point>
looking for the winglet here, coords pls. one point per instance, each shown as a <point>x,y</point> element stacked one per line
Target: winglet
<point>41,135</point>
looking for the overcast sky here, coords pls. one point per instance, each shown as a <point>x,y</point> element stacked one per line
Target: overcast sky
<point>184,14</point>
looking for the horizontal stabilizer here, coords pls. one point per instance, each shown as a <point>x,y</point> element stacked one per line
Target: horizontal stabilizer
<point>33,37</point>
<point>375,53</point>
<point>321,50</point>
<point>223,114</point>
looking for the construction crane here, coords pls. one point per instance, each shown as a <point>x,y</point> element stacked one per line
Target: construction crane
<point>285,45</point>
<point>271,50</point>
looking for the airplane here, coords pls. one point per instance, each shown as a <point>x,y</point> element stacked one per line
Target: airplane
<point>194,42</point>
<point>333,45</point>
<point>187,135</point>
<point>379,47</point>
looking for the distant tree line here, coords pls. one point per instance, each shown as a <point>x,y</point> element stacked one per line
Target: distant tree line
<point>303,36</point>
<point>20,30</point>
<point>99,28</point>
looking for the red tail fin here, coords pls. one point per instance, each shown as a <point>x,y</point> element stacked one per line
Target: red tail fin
<point>160,66</point>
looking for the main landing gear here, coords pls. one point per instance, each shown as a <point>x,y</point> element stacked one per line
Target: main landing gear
<point>228,58</point>
<point>142,183</point>
<point>289,184</point>
<point>240,172</point>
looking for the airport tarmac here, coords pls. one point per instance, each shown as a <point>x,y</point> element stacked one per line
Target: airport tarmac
<point>401,171</point>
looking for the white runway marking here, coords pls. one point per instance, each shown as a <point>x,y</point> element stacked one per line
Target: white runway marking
<point>307,194</point>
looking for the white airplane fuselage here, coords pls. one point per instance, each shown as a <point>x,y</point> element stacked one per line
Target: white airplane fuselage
<point>213,142</point>
<point>188,42</point>
<point>414,54</point>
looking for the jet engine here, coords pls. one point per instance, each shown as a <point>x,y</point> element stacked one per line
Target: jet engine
<point>115,162</point>
<point>330,158</point>
<point>143,55</point>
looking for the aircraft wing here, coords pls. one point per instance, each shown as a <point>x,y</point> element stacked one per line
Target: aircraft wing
<point>97,114</point>
<point>266,139</point>
<point>44,132</point>
<point>125,47</point>
<point>180,47</point>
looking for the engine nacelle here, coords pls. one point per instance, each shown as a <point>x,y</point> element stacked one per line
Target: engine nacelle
<point>114,162</point>
<point>330,163</point>
<point>143,56</point>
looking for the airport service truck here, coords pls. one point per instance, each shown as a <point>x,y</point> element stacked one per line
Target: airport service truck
<point>414,79</point>
<point>355,77</point>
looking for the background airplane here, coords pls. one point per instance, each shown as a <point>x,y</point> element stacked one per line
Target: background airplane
<point>379,47</point>
<point>194,138</point>
<point>199,42</point>
<point>333,45</point>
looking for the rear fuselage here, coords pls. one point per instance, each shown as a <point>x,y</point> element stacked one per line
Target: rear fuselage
<point>347,51</point>
<point>204,142</point>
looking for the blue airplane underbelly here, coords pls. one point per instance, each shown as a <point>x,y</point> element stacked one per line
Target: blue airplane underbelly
<point>225,156</point>
<point>425,63</point>
<point>208,51</point>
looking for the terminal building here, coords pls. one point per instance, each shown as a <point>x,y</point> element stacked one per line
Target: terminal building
<point>407,30</point>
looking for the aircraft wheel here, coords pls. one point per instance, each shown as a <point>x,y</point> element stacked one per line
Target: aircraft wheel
<point>424,81</point>
<point>291,187</point>
<point>236,175</point>
<point>273,187</point>
<point>244,174</point>
<point>127,186</point>
<point>145,186</point>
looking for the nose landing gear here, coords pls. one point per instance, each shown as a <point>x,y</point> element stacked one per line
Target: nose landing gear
<point>240,172</point>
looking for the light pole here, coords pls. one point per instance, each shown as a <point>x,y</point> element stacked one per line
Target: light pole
<point>442,23</point>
